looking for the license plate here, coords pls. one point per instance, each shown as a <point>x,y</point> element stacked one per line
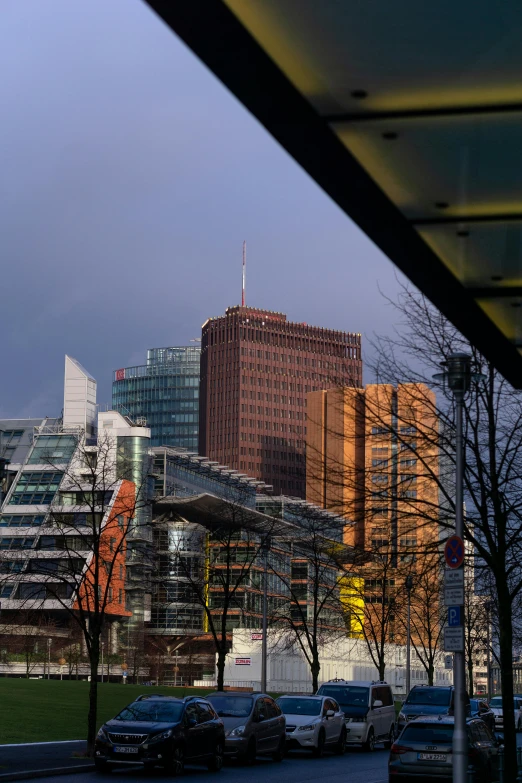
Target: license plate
<point>432,757</point>
<point>125,750</point>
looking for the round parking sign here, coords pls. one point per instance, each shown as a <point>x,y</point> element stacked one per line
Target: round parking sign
<point>454,552</point>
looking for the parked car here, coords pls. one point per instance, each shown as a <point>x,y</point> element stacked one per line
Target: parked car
<point>427,700</point>
<point>424,750</point>
<point>162,731</point>
<point>497,709</point>
<point>313,722</point>
<point>481,709</point>
<point>254,725</point>
<point>369,710</point>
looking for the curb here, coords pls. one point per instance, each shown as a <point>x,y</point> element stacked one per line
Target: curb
<point>44,773</point>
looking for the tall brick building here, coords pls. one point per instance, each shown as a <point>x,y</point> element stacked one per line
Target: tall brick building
<point>256,370</point>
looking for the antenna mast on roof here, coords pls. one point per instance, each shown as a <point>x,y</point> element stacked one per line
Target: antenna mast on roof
<point>243,288</point>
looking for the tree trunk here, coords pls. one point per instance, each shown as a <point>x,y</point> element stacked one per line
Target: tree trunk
<point>92,715</point>
<point>382,668</point>
<point>505,643</point>
<point>470,674</point>
<point>222,654</point>
<point>315,668</point>
<point>431,673</point>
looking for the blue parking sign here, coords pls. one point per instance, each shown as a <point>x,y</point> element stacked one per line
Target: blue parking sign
<point>454,615</point>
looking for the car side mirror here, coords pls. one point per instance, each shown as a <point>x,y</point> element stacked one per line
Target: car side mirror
<point>330,713</point>
<point>192,722</point>
<point>261,717</point>
<point>377,703</point>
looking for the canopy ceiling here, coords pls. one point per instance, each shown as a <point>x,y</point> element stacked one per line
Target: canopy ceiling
<point>409,115</point>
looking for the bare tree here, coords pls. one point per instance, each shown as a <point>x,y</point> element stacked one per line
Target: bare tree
<point>319,609</point>
<point>80,563</point>
<point>209,574</point>
<point>428,614</point>
<point>493,462</point>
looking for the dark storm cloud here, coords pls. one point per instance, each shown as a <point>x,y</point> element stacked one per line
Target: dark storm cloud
<point>130,178</point>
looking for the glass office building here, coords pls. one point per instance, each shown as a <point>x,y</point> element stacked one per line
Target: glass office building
<point>165,392</point>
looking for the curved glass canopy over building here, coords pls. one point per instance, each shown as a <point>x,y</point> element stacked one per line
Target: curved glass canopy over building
<point>165,392</point>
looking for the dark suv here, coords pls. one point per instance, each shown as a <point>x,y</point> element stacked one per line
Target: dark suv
<point>161,730</point>
<point>428,700</point>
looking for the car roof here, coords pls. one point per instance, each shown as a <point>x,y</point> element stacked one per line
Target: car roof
<point>302,696</point>
<point>438,687</point>
<point>362,683</point>
<point>440,719</point>
<point>159,697</point>
<point>236,693</point>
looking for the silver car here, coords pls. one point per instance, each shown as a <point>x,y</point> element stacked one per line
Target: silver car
<point>313,722</point>
<point>254,725</point>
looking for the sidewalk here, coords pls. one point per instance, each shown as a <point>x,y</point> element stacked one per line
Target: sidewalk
<point>20,762</point>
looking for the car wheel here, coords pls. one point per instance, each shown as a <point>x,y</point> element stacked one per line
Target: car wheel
<point>216,762</point>
<point>369,745</point>
<point>391,738</point>
<point>102,768</point>
<point>340,746</point>
<point>177,761</point>
<point>318,751</point>
<point>251,753</point>
<point>281,750</point>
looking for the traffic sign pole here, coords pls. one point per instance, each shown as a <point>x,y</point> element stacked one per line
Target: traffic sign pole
<point>460,739</point>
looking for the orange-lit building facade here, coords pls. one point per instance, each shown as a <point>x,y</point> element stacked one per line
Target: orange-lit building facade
<point>372,456</point>
<point>257,369</point>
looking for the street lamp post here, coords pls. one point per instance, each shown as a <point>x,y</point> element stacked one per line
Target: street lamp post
<point>457,376</point>
<point>102,646</point>
<point>409,585</point>
<point>489,690</point>
<point>266,549</point>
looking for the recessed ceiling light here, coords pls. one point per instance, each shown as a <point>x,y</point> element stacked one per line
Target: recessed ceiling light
<point>359,94</point>
<point>390,135</point>
<point>463,232</point>
<point>441,204</point>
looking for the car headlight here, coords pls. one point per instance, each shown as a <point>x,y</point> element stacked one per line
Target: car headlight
<point>102,735</point>
<point>403,717</point>
<point>309,727</point>
<point>160,737</point>
<point>237,732</point>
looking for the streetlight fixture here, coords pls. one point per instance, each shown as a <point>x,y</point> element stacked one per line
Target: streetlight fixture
<point>409,585</point>
<point>265,548</point>
<point>457,376</point>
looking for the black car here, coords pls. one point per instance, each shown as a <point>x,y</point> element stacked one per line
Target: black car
<point>162,731</point>
<point>481,709</point>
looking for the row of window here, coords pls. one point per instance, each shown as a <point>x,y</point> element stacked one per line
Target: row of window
<point>35,488</point>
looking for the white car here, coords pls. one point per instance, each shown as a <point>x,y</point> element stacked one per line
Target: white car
<point>313,722</point>
<point>496,709</point>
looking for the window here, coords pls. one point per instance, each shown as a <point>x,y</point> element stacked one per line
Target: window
<point>204,714</point>
<point>21,520</point>
<point>380,430</point>
<point>379,463</point>
<point>35,488</point>
<point>52,450</point>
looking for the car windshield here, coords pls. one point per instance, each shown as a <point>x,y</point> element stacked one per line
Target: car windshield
<point>152,712</point>
<point>432,733</point>
<point>232,706</point>
<point>347,695</point>
<point>295,706</point>
<point>437,697</point>
<point>496,703</point>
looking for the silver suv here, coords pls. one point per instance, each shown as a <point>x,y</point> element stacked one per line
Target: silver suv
<point>254,724</point>
<point>368,708</point>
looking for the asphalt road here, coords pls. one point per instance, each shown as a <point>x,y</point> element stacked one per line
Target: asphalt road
<point>298,767</point>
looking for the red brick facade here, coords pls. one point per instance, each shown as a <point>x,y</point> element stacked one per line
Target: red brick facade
<point>256,369</point>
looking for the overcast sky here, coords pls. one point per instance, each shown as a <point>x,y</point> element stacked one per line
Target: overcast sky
<point>129,179</point>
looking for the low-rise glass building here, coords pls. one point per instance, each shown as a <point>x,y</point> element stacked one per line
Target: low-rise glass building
<point>165,392</point>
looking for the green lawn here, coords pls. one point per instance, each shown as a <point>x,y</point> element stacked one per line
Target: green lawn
<point>44,710</point>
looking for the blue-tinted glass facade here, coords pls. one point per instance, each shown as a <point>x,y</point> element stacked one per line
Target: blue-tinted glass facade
<point>165,392</point>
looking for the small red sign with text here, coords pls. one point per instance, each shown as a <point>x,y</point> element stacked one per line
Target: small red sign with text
<point>242,661</point>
